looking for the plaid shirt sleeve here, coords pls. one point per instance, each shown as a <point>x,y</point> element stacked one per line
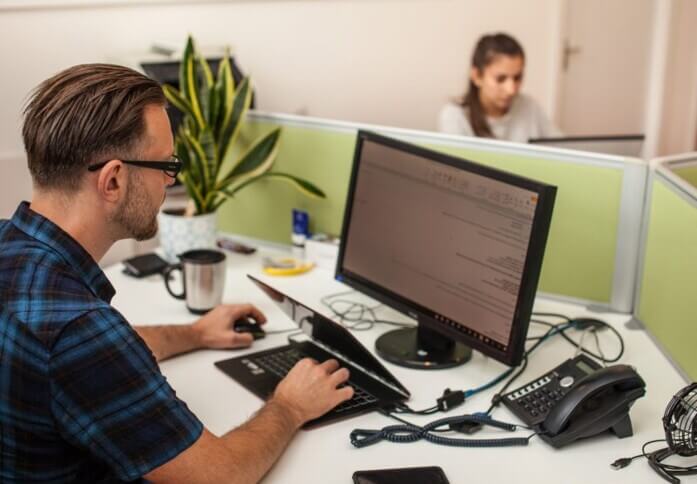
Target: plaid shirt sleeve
<point>109,397</point>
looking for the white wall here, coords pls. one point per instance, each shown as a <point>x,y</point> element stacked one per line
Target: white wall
<point>678,124</point>
<point>391,62</point>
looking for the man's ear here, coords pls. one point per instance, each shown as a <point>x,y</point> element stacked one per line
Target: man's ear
<point>476,76</point>
<point>111,183</point>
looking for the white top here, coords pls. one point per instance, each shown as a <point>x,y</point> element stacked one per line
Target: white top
<point>525,120</point>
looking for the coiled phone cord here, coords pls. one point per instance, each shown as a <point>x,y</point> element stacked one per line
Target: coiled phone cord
<point>408,433</point>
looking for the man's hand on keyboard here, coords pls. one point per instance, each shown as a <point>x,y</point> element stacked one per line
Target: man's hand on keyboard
<point>310,389</point>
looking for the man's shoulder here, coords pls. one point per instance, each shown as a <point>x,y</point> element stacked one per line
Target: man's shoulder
<point>38,287</point>
<point>15,243</point>
<point>27,263</point>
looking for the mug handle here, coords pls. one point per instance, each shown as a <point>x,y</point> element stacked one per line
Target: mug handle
<point>166,273</point>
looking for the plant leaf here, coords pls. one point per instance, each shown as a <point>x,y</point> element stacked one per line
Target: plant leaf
<point>193,88</point>
<point>233,119</point>
<point>205,80</point>
<point>225,88</point>
<point>186,154</point>
<point>197,197</point>
<point>257,160</point>
<point>207,142</point>
<point>214,110</point>
<point>198,158</point>
<point>306,188</point>
<point>206,72</point>
<point>177,100</point>
<point>183,79</point>
<point>226,79</point>
<point>182,152</point>
<point>190,189</point>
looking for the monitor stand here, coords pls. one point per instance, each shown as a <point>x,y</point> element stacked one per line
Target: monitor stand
<point>421,348</point>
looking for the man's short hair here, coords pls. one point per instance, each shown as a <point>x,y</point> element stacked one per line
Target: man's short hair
<point>83,115</point>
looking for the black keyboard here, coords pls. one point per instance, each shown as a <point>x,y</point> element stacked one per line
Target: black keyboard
<point>280,364</point>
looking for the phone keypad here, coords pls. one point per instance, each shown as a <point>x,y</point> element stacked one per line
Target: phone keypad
<point>537,398</point>
<point>540,402</point>
<point>533,402</point>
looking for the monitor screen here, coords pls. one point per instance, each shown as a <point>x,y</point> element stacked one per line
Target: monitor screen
<point>454,244</point>
<point>624,145</point>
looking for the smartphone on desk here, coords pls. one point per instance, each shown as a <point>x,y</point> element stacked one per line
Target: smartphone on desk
<point>402,475</point>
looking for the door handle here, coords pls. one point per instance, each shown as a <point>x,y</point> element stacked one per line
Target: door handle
<point>568,51</point>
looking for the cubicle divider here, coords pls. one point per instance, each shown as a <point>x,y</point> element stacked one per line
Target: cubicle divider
<point>667,281</point>
<point>684,166</point>
<point>593,247</point>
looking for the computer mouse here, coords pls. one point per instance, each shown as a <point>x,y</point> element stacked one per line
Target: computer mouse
<point>248,325</point>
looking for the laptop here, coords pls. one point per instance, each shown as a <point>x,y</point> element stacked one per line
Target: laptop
<point>321,339</point>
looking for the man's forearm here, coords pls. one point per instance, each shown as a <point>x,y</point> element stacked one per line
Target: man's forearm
<point>257,444</point>
<point>167,341</point>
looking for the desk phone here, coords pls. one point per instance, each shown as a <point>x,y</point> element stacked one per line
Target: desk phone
<point>578,399</point>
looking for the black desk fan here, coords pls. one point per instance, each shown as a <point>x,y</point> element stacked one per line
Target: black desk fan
<point>680,425</point>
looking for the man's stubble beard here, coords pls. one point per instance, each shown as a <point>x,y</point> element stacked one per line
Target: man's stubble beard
<point>136,218</point>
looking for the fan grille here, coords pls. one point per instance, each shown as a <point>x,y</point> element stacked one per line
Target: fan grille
<point>680,421</point>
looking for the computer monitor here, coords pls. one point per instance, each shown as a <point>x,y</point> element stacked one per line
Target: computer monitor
<point>623,145</point>
<point>455,245</point>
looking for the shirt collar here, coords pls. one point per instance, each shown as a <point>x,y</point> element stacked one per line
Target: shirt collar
<point>60,242</point>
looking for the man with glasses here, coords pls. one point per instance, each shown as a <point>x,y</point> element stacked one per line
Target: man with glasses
<point>81,395</point>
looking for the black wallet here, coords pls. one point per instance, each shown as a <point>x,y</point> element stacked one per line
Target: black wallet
<point>402,475</point>
<point>144,265</point>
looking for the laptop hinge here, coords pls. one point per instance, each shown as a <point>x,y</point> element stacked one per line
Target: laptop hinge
<point>300,338</point>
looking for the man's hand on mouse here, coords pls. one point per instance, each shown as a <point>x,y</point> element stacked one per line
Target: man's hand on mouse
<point>215,329</point>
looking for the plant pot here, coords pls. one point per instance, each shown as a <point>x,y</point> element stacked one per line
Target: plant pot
<point>179,233</point>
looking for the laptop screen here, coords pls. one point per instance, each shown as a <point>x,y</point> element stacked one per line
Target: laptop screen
<point>327,332</point>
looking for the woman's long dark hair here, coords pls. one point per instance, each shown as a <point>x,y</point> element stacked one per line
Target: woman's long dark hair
<point>488,47</point>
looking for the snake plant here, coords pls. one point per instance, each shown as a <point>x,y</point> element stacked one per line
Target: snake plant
<point>214,109</point>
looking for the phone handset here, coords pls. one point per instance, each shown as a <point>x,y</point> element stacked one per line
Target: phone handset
<point>605,387</point>
<point>577,399</point>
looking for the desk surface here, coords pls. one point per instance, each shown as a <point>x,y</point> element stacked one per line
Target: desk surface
<point>325,454</point>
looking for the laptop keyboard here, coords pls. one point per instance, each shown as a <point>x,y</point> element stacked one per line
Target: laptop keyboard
<point>280,364</point>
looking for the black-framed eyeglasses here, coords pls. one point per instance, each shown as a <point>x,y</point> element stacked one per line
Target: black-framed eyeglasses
<point>171,167</point>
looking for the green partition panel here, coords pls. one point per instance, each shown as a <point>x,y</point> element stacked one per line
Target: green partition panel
<point>668,283</point>
<point>579,261</point>
<point>580,258</point>
<point>686,169</point>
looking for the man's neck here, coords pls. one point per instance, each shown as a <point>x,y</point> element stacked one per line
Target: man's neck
<point>77,217</point>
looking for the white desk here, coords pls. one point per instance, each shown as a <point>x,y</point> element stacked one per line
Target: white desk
<point>325,455</point>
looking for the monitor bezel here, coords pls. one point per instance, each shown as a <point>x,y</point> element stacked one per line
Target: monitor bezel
<point>513,352</point>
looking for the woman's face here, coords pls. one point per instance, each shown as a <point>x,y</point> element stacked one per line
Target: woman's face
<point>499,83</point>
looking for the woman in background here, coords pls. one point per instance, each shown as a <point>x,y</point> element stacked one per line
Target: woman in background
<point>493,106</point>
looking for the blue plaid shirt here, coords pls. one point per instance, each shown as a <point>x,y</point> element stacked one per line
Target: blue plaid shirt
<point>81,396</point>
